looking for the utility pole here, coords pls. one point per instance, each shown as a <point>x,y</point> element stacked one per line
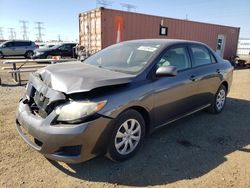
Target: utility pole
<point>129,7</point>
<point>12,34</point>
<point>39,31</point>
<point>59,38</point>
<point>1,33</point>
<point>24,29</point>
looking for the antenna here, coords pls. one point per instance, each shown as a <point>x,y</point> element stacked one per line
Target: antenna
<point>1,33</point>
<point>39,31</point>
<point>12,33</point>
<point>128,7</point>
<point>104,3</point>
<point>24,28</point>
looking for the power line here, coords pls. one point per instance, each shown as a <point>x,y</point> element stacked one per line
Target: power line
<point>39,30</point>
<point>24,29</point>
<point>104,3</point>
<point>12,32</point>
<point>129,7</point>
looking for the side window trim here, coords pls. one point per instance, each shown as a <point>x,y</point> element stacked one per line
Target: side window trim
<point>192,56</point>
<point>212,57</point>
<point>185,47</point>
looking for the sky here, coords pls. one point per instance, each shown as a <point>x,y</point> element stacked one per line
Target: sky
<point>60,17</point>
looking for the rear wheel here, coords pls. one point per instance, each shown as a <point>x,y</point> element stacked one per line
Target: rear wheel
<point>218,101</point>
<point>29,54</point>
<point>127,136</point>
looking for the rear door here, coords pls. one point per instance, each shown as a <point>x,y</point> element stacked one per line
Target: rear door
<point>206,72</point>
<point>21,47</point>
<point>220,46</point>
<point>174,96</point>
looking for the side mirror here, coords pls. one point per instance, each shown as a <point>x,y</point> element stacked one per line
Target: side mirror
<point>167,71</point>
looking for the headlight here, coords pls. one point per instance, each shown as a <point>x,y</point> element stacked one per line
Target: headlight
<point>78,110</point>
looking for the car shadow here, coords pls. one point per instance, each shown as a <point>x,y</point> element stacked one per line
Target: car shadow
<point>187,149</point>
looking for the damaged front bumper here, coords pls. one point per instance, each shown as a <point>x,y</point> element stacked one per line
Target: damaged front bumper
<point>70,143</point>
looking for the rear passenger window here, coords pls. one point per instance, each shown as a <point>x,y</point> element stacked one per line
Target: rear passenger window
<point>176,56</point>
<point>22,43</point>
<point>201,56</point>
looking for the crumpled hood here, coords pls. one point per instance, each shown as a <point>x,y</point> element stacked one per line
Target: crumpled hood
<point>73,77</point>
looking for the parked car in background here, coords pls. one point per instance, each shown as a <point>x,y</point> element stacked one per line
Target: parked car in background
<point>17,48</point>
<point>63,50</point>
<point>106,104</point>
<point>45,45</point>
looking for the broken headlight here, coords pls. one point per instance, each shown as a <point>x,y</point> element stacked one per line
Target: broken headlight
<point>73,110</point>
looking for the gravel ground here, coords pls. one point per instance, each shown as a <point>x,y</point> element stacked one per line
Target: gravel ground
<point>202,150</point>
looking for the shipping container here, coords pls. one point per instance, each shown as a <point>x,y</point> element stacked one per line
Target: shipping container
<point>102,27</point>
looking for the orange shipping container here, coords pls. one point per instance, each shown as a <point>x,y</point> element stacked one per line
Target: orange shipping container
<point>102,27</point>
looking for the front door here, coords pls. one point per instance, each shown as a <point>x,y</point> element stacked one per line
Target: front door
<point>9,49</point>
<point>220,46</point>
<point>174,96</point>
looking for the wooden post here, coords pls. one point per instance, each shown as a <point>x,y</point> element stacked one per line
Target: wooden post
<point>15,74</point>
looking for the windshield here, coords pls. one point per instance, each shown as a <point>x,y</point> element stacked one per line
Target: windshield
<point>125,57</point>
<point>1,44</point>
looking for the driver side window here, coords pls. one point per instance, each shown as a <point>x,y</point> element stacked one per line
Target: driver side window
<point>10,44</point>
<point>176,56</point>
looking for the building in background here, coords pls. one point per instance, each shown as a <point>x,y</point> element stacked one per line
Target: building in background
<point>102,27</point>
<point>243,47</point>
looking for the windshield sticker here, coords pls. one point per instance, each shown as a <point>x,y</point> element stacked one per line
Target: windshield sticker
<point>147,48</point>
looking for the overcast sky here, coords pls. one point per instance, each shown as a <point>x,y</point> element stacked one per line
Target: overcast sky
<point>60,17</point>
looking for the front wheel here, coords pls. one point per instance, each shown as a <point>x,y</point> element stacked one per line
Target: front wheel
<point>218,101</point>
<point>127,136</point>
<point>29,54</point>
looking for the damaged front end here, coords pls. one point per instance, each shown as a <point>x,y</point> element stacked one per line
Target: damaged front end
<point>58,127</point>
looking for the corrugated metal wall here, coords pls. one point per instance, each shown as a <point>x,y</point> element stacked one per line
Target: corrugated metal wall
<point>90,30</point>
<point>138,26</point>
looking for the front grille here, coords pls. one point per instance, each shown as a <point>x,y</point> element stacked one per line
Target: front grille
<point>40,104</point>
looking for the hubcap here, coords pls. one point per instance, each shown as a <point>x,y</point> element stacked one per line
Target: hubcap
<point>220,99</point>
<point>29,54</point>
<point>128,136</point>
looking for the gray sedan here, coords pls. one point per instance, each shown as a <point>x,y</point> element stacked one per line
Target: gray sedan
<point>107,104</point>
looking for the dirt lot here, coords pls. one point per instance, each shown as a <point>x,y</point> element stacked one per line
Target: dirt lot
<point>199,151</point>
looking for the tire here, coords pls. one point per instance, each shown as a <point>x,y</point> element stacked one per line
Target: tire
<point>126,140</point>
<point>29,54</point>
<point>219,101</point>
<point>1,55</point>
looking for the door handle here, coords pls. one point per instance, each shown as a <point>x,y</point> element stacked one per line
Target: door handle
<point>192,78</point>
<point>218,71</point>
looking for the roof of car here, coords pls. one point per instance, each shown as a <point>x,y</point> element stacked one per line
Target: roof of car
<point>19,41</point>
<point>165,41</point>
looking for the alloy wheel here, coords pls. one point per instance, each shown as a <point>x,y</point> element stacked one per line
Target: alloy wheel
<point>220,99</point>
<point>128,136</point>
